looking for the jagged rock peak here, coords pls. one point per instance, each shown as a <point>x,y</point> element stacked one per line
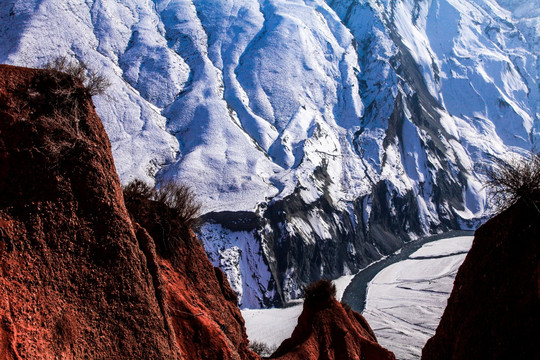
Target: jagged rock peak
<point>79,277</point>
<point>330,330</point>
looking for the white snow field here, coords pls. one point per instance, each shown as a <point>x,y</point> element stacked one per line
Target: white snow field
<point>271,326</point>
<point>406,300</point>
<point>252,96</point>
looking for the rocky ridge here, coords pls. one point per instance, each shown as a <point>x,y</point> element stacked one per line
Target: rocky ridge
<point>74,280</point>
<point>330,330</point>
<point>80,279</point>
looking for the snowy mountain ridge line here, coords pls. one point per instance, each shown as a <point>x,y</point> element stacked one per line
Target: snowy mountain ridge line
<point>347,126</point>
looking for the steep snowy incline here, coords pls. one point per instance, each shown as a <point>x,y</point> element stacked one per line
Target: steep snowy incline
<point>333,130</point>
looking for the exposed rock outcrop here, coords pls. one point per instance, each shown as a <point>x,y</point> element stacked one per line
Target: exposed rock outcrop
<point>327,330</point>
<point>79,279</point>
<point>73,282</point>
<point>201,305</point>
<point>493,310</point>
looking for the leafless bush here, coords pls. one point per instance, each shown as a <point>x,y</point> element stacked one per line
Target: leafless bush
<point>76,70</point>
<point>167,212</point>
<point>512,180</point>
<point>181,200</point>
<point>137,189</point>
<point>96,83</point>
<point>319,292</point>
<point>261,348</point>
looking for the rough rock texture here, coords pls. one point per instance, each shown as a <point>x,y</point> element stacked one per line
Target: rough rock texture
<point>202,307</point>
<point>198,298</point>
<point>79,279</point>
<point>207,327</point>
<point>73,281</point>
<point>329,331</point>
<point>493,311</point>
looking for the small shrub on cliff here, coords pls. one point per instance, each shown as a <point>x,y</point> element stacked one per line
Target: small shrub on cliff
<point>515,179</point>
<point>319,292</point>
<point>63,91</point>
<point>182,202</point>
<point>261,348</point>
<point>137,190</point>
<point>96,83</point>
<point>167,212</point>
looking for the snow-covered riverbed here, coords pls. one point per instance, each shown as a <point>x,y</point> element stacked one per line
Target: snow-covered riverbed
<point>405,300</point>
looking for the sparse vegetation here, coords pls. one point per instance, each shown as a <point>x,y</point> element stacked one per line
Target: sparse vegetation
<point>63,90</point>
<point>96,83</point>
<point>517,178</point>
<point>167,212</point>
<point>261,348</point>
<point>319,292</point>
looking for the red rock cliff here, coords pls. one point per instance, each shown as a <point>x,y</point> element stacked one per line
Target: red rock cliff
<point>77,278</point>
<point>493,311</point>
<point>73,280</point>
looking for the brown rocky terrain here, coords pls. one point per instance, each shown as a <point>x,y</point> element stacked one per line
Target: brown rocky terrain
<point>493,311</point>
<point>78,279</point>
<point>327,330</point>
<point>74,282</point>
<point>81,278</point>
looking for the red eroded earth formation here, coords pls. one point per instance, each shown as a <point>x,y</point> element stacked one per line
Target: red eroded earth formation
<point>83,278</point>
<point>493,311</point>
<point>327,330</point>
<point>77,278</point>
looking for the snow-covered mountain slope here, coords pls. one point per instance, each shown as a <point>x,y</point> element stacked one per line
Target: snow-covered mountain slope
<point>345,127</point>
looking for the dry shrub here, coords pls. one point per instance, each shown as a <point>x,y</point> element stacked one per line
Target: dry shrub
<point>181,200</point>
<point>261,348</point>
<point>167,212</point>
<point>517,178</point>
<point>137,189</point>
<point>63,91</point>
<point>319,292</point>
<point>96,83</point>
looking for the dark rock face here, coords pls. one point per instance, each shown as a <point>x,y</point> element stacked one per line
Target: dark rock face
<point>329,331</point>
<point>73,281</point>
<point>494,308</point>
<point>78,278</point>
<point>351,246</point>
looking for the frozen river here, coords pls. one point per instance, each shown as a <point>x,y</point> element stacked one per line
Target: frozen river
<point>406,300</point>
<point>402,296</point>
